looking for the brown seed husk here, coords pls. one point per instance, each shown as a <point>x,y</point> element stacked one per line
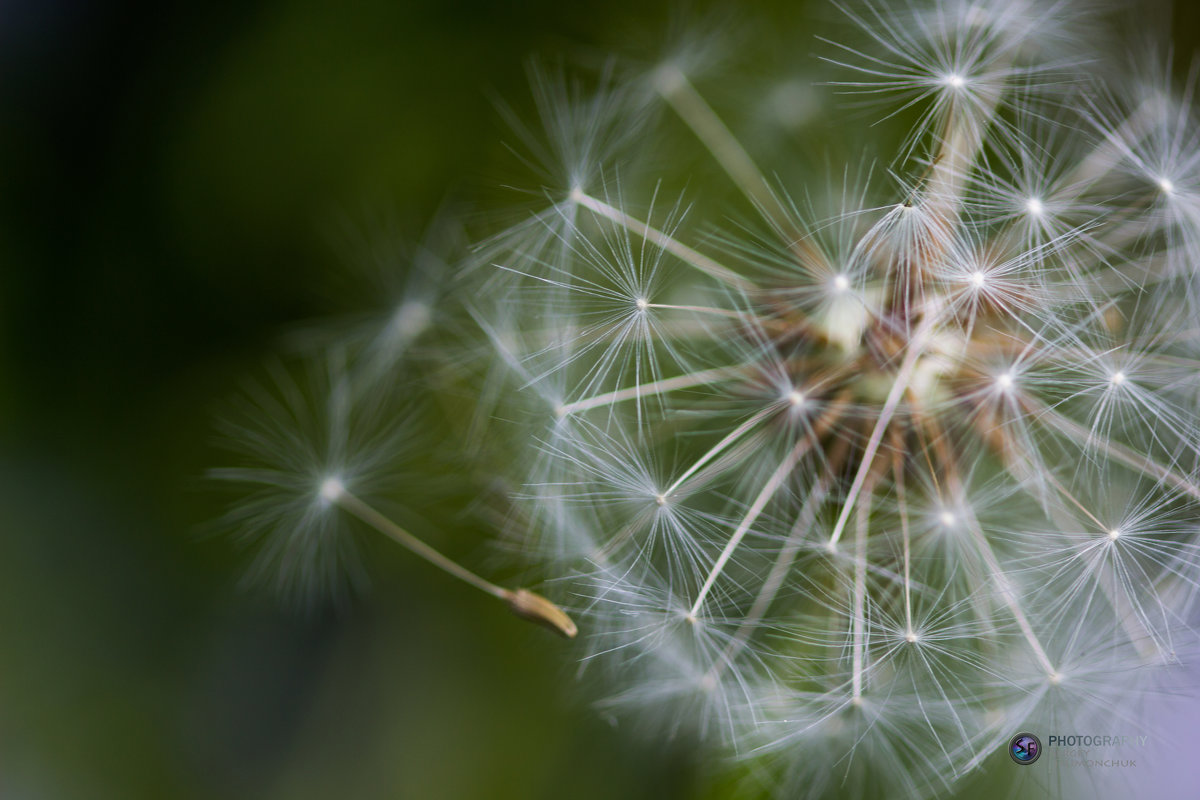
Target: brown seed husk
<point>535,608</point>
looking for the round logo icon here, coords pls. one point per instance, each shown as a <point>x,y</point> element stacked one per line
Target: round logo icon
<point>1025,748</point>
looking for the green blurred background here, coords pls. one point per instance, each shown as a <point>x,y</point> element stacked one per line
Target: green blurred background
<point>171,175</point>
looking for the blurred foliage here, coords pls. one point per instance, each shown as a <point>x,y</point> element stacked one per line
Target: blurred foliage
<point>171,175</point>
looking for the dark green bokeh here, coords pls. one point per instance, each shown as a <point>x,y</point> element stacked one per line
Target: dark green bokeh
<point>171,177</point>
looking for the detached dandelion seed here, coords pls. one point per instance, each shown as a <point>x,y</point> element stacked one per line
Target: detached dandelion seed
<point>295,434</point>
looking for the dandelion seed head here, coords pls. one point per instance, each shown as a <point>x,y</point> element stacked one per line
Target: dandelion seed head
<point>814,452</point>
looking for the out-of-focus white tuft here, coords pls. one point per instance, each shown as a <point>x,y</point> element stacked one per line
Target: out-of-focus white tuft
<point>299,441</point>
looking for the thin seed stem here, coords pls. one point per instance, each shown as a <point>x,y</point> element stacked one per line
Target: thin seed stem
<point>899,385</point>
<point>1105,156</point>
<point>902,502</point>
<point>1062,490</point>
<point>960,147</point>
<point>783,562</point>
<point>717,449</point>
<point>860,591</point>
<point>664,386</point>
<point>1019,462</point>
<point>1142,639</point>
<point>728,152</point>
<point>1118,452</point>
<point>368,514</point>
<point>719,312</point>
<point>1004,587</point>
<point>988,555</point>
<point>659,239</point>
<point>764,496</point>
<point>831,415</point>
<point>522,602</point>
